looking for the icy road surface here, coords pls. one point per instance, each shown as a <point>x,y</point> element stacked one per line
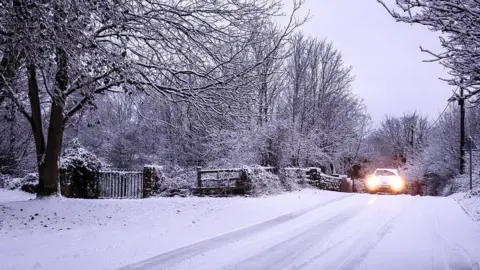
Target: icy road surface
<point>346,232</point>
<point>308,229</point>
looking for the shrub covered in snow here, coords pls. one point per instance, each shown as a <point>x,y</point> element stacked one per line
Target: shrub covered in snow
<point>174,181</point>
<point>461,183</point>
<point>3,180</point>
<point>28,183</point>
<point>262,182</point>
<point>79,169</point>
<point>294,179</point>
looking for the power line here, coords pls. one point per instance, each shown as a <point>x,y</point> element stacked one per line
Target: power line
<point>441,114</point>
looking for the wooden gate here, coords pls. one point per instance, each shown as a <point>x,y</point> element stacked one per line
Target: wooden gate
<point>120,185</point>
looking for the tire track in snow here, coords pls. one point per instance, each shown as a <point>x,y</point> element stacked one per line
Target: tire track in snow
<point>355,261</point>
<point>351,252</point>
<point>283,253</point>
<point>351,262</point>
<point>452,256</point>
<point>455,256</point>
<point>167,259</point>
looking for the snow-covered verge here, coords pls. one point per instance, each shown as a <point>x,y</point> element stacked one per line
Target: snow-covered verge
<point>107,234</point>
<point>459,189</point>
<point>470,202</point>
<point>14,196</point>
<point>461,183</point>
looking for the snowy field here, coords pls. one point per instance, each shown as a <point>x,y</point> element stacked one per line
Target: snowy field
<point>309,229</point>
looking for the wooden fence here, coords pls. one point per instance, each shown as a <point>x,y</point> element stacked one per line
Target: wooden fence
<point>237,181</point>
<point>120,185</point>
<point>316,178</point>
<point>224,181</point>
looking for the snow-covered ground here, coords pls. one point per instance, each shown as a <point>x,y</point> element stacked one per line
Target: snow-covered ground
<point>309,229</point>
<point>470,202</point>
<point>14,195</point>
<point>59,233</point>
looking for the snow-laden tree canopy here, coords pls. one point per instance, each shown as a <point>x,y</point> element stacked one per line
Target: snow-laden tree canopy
<point>57,55</point>
<point>458,23</point>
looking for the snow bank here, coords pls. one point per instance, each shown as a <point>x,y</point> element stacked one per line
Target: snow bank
<point>107,234</point>
<point>470,201</point>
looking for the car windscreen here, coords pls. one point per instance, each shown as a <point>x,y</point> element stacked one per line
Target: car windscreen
<point>384,173</point>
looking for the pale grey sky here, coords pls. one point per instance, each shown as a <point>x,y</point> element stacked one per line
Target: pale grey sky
<point>387,62</point>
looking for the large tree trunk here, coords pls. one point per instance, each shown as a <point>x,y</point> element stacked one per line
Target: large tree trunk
<point>53,151</point>
<point>55,128</point>
<point>50,169</point>
<point>36,121</point>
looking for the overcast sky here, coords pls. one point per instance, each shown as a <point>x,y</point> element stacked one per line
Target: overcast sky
<point>387,63</point>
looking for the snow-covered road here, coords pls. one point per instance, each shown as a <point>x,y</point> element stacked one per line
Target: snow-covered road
<point>348,232</point>
<point>308,229</point>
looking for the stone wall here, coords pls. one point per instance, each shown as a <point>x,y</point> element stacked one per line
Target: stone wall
<point>149,180</point>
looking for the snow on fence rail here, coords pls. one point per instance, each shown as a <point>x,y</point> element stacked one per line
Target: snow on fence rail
<point>315,177</point>
<point>224,181</point>
<point>120,185</point>
<point>237,181</point>
<point>115,184</point>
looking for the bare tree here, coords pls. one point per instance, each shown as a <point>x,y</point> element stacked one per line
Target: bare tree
<point>323,116</point>
<point>399,138</point>
<point>70,51</point>
<point>456,21</point>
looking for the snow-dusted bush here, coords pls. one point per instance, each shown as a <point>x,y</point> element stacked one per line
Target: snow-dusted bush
<point>294,179</point>
<point>79,168</point>
<point>28,183</point>
<point>173,181</point>
<point>262,182</point>
<point>461,183</point>
<point>447,190</point>
<point>3,180</point>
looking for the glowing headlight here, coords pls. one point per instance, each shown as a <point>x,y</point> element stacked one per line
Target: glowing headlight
<point>372,182</point>
<point>398,184</point>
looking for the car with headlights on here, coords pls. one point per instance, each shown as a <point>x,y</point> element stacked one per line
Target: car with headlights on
<point>385,181</point>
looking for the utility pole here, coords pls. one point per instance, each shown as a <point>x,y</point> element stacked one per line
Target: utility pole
<point>461,102</point>
<point>470,150</point>
<point>470,146</point>
<point>412,131</point>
